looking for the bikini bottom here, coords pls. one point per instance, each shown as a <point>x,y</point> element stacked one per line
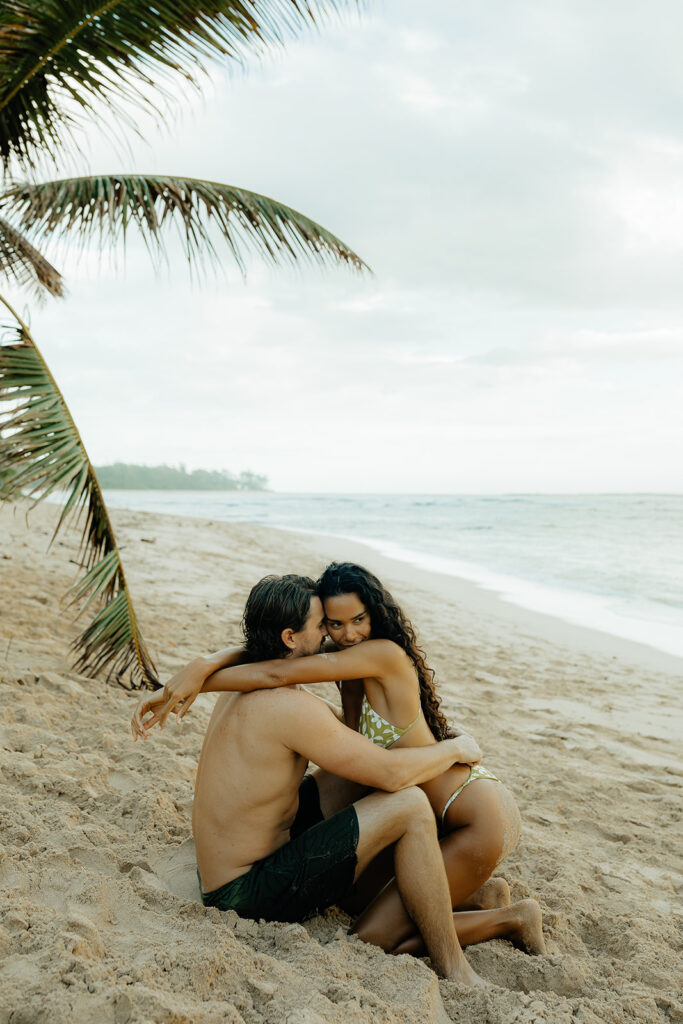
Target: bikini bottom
<point>476,772</point>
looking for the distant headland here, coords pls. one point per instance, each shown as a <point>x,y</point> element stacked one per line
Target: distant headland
<point>128,477</point>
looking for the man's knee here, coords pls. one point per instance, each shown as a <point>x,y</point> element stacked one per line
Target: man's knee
<point>388,816</point>
<point>415,806</point>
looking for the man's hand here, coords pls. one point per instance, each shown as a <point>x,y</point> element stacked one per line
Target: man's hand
<point>468,750</point>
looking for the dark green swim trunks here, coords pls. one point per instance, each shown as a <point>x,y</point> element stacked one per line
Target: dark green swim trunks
<point>305,876</point>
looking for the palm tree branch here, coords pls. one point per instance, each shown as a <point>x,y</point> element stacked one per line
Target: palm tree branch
<point>20,260</point>
<point>41,451</point>
<point>55,57</point>
<point>102,207</point>
<point>67,38</point>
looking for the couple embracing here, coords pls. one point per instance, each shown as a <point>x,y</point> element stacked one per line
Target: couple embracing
<point>403,832</point>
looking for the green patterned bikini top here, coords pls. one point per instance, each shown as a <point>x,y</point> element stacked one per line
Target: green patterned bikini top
<point>377,729</point>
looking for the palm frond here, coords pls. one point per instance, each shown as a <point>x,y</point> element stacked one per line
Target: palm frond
<point>41,452</point>
<point>101,209</point>
<point>57,55</point>
<point>21,262</point>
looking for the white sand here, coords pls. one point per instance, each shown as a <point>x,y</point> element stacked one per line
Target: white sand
<point>92,927</point>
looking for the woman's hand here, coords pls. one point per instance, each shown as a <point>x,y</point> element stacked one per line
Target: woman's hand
<point>468,750</point>
<point>177,697</point>
<point>151,702</point>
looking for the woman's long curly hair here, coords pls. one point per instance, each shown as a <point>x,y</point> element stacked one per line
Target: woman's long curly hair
<point>388,622</point>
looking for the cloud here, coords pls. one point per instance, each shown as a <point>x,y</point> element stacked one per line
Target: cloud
<point>510,171</point>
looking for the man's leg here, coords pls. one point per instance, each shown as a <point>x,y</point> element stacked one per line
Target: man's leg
<point>336,793</point>
<point>406,819</point>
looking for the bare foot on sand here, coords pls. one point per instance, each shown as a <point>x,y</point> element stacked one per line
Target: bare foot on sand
<point>528,926</point>
<point>490,896</point>
<point>463,974</point>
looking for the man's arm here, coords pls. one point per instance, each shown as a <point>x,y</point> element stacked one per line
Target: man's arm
<point>307,726</point>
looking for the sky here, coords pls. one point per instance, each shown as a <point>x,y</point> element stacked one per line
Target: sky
<point>511,172</point>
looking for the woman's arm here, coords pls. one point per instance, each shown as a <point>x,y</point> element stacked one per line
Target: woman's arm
<point>188,681</point>
<point>352,691</point>
<point>371,658</point>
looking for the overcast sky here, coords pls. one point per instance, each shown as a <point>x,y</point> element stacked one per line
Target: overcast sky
<point>513,174</point>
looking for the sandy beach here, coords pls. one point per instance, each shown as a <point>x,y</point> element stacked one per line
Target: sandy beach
<point>97,920</point>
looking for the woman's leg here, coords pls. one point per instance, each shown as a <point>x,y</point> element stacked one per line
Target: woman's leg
<point>494,893</point>
<point>521,922</point>
<point>485,820</point>
<point>482,828</point>
<point>387,924</point>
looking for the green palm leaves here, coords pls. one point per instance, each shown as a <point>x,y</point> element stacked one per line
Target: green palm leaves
<point>102,209</point>
<point>61,60</point>
<point>41,451</point>
<point>21,262</point>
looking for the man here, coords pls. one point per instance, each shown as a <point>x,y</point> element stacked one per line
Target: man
<point>263,848</point>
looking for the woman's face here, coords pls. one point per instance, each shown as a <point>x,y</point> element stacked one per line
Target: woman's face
<point>347,621</point>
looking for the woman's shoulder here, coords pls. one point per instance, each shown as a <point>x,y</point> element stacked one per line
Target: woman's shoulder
<point>390,654</point>
<point>389,648</point>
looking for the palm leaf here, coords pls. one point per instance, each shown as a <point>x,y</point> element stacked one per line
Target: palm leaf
<point>57,56</point>
<point>41,452</point>
<point>22,263</point>
<point>103,208</point>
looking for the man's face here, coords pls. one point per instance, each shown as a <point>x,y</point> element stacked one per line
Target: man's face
<point>310,637</point>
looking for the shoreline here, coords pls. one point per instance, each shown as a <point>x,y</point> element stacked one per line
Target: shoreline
<point>528,620</point>
<point>559,610</point>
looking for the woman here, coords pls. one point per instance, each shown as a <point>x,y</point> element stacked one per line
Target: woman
<point>478,824</point>
<point>388,695</point>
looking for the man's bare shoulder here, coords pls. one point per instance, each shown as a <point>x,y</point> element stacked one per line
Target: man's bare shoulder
<point>283,699</point>
<point>286,715</point>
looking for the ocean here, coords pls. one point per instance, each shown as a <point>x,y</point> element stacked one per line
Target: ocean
<point>612,562</point>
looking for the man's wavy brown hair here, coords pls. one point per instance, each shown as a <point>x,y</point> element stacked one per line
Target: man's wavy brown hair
<point>274,604</point>
<point>388,622</point>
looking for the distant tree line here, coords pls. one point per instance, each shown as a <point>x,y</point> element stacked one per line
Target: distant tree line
<point>127,477</point>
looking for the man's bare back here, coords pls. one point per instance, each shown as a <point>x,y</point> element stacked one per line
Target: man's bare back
<point>247,783</point>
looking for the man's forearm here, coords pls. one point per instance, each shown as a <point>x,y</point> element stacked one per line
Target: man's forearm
<point>415,765</point>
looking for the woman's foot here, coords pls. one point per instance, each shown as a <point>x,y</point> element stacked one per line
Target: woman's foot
<point>491,895</point>
<point>528,926</point>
